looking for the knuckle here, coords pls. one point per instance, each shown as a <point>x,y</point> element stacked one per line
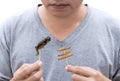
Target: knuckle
<point>96,74</point>
<point>26,71</point>
<point>24,68</point>
<point>77,67</point>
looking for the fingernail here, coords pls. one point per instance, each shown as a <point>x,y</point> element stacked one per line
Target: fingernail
<point>39,62</point>
<point>67,67</point>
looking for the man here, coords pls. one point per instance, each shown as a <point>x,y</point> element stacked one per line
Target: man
<point>92,35</point>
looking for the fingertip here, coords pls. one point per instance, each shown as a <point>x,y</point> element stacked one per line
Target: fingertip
<point>41,79</point>
<point>39,62</point>
<point>68,67</point>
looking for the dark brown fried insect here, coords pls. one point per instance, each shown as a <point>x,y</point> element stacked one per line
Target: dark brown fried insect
<point>42,43</point>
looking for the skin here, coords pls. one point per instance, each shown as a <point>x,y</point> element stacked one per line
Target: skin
<point>60,18</point>
<point>81,73</point>
<point>29,72</point>
<point>55,15</point>
<point>62,8</point>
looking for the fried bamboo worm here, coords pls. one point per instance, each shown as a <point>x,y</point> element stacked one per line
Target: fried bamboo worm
<point>41,44</point>
<point>62,49</point>
<point>65,56</point>
<point>66,52</point>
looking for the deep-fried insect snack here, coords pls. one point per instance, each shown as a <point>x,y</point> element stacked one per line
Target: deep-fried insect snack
<point>42,43</point>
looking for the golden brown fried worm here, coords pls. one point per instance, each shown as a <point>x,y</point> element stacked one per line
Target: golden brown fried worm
<point>62,49</point>
<point>65,56</point>
<point>65,53</point>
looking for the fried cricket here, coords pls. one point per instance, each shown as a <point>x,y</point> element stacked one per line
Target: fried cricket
<point>41,44</point>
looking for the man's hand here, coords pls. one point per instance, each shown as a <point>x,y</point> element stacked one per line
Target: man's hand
<point>81,73</point>
<point>29,72</point>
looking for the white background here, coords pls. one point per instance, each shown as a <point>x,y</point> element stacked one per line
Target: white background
<point>10,7</point>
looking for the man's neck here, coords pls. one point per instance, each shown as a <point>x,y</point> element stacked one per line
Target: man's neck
<point>66,25</point>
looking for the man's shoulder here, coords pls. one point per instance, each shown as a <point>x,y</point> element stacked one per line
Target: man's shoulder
<point>105,21</point>
<point>103,17</point>
<point>18,19</point>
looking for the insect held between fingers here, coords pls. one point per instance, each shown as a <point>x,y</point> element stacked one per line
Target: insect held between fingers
<point>41,44</point>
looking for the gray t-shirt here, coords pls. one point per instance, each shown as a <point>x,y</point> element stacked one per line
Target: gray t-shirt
<point>95,43</point>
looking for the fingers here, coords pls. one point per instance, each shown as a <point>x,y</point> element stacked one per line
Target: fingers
<point>80,70</point>
<point>36,76</point>
<point>81,73</point>
<point>26,70</point>
<point>76,77</point>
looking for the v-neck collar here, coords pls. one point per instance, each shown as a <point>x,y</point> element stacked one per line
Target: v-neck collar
<point>72,37</point>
